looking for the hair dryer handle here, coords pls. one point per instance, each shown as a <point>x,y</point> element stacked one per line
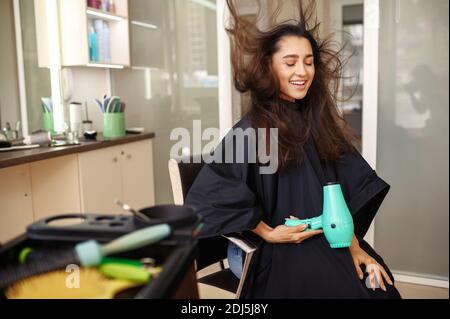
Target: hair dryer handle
<point>313,223</point>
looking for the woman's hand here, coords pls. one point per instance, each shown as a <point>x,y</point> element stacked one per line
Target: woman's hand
<point>284,234</point>
<point>373,268</point>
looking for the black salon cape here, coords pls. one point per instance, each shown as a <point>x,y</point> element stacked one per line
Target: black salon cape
<point>236,197</point>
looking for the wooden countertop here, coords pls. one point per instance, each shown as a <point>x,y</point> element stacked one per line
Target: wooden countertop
<point>18,157</point>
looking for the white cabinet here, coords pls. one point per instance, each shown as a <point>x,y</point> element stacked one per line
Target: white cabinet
<point>87,182</point>
<point>123,172</point>
<point>100,180</point>
<point>137,174</point>
<point>75,17</point>
<point>55,186</point>
<point>16,211</point>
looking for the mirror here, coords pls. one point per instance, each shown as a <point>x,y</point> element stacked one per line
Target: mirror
<point>9,88</point>
<point>20,74</point>
<point>37,80</point>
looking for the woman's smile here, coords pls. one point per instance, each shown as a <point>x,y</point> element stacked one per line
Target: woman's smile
<point>301,85</point>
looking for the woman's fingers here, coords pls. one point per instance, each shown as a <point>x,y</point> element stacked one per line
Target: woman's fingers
<point>373,268</point>
<point>380,278</point>
<point>301,228</point>
<point>305,235</point>
<point>297,234</point>
<point>297,238</point>
<point>296,229</point>
<point>370,269</point>
<point>372,280</point>
<point>311,233</point>
<point>359,271</point>
<point>386,276</point>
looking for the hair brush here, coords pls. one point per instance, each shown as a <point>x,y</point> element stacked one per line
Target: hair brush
<point>91,284</point>
<point>88,254</point>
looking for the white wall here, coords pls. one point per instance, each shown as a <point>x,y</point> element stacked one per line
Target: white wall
<point>90,83</point>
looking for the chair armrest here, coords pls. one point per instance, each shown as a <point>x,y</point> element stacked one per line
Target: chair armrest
<point>243,243</point>
<point>249,248</point>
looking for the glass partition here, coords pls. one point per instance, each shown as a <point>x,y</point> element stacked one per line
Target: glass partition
<point>411,231</point>
<point>173,78</point>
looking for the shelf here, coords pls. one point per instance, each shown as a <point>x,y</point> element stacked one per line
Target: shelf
<point>144,24</point>
<point>99,14</point>
<point>104,65</point>
<point>75,18</point>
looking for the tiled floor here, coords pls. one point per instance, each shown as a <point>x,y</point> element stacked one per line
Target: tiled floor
<point>408,291</point>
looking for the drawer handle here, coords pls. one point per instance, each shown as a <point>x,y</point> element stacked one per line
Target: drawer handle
<point>115,160</point>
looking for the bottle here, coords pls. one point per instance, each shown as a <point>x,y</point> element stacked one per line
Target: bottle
<point>93,4</point>
<point>106,42</point>
<point>98,25</point>
<point>93,45</point>
<point>43,138</point>
<point>75,109</point>
<point>105,5</point>
<point>112,6</point>
<point>96,4</point>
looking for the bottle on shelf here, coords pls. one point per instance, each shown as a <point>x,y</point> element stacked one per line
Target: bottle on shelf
<point>106,42</point>
<point>96,4</point>
<point>105,5</point>
<point>93,45</point>
<point>98,25</point>
<point>112,6</point>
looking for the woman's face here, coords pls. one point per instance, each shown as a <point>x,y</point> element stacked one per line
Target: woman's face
<point>293,65</point>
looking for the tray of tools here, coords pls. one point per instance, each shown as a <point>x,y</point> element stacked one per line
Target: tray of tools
<point>94,256</point>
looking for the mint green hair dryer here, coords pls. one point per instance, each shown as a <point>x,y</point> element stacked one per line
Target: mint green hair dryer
<point>336,220</point>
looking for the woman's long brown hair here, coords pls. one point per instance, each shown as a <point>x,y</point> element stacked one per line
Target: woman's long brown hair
<point>252,51</point>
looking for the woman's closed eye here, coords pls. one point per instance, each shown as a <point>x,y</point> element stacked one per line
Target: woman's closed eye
<point>291,64</point>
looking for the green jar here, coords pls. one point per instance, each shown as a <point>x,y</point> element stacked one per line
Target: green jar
<point>47,119</point>
<point>113,125</point>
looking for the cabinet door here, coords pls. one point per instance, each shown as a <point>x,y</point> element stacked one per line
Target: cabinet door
<point>16,211</point>
<point>55,186</point>
<point>137,174</point>
<point>101,182</point>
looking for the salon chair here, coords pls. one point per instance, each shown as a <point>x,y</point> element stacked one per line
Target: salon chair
<point>210,250</point>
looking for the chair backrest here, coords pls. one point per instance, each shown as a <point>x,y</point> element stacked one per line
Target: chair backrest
<point>182,176</point>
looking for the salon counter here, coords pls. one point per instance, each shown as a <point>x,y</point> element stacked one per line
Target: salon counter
<point>18,157</point>
<point>90,177</point>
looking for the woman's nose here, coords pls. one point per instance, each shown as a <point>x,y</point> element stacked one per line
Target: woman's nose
<point>300,69</point>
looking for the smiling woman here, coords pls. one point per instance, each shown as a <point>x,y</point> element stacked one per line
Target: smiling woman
<point>293,65</point>
<point>292,77</point>
<point>291,62</point>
